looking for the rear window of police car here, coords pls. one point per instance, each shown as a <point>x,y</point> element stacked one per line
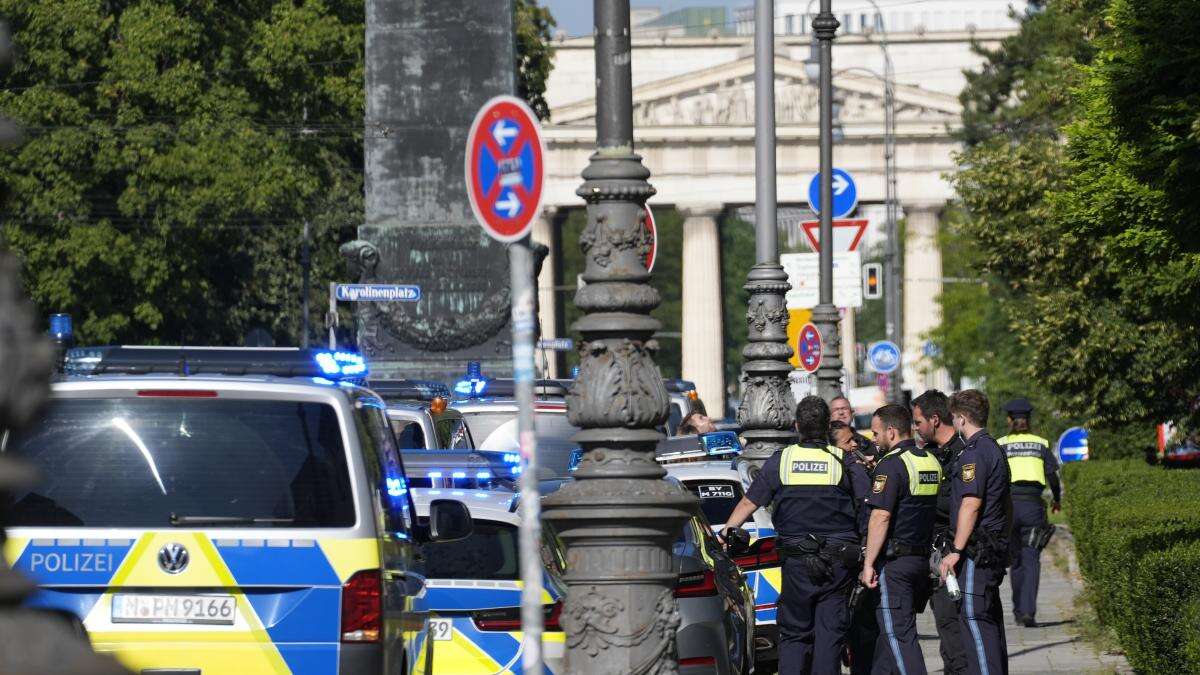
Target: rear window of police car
<point>717,498</point>
<point>145,462</point>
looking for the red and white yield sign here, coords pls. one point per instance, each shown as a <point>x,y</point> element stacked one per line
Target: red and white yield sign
<point>847,234</point>
<point>809,347</point>
<point>505,168</point>
<point>648,223</point>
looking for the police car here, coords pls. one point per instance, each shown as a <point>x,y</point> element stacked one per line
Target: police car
<point>710,466</point>
<point>474,589</point>
<point>421,416</point>
<point>212,510</point>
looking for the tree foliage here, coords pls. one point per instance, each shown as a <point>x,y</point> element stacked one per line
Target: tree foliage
<point>175,149</point>
<point>1076,208</point>
<point>535,55</point>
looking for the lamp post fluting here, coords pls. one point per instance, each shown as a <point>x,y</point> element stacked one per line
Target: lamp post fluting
<point>767,412</point>
<point>825,314</point>
<point>619,518</point>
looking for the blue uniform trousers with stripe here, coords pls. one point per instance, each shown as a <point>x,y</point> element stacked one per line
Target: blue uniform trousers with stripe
<point>1027,561</point>
<point>813,619</point>
<point>903,582</point>
<point>982,618</point>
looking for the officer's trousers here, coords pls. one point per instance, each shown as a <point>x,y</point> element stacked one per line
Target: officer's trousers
<point>982,618</point>
<point>1027,561</point>
<point>945,616</point>
<point>903,584</point>
<point>812,618</point>
<point>864,632</point>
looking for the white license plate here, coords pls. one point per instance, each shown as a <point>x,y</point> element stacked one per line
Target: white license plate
<point>218,610</point>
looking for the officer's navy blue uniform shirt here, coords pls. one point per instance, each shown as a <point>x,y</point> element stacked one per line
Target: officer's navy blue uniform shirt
<point>946,454</point>
<point>819,516</point>
<point>981,471</point>
<point>912,517</point>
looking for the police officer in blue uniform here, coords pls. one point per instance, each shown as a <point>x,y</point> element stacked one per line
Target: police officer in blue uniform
<point>1033,468</point>
<point>816,490</point>
<point>980,515</point>
<point>903,499</point>
<point>931,420</point>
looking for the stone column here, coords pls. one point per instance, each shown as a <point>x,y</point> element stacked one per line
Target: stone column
<point>545,232</point>
<point>922,285</point>
<point>849,348</point>
<point>703,337</point>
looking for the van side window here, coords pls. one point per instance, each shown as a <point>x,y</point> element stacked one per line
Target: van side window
<point>408,433</point>
<point>385,468</point>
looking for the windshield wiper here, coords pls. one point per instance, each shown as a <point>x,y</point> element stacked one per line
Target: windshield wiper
<point>178,520</point>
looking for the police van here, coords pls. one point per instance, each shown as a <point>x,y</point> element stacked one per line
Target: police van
<point>214,510</point>
<point>710,466</point>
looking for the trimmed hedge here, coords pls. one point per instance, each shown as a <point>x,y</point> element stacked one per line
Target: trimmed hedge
<point>1137,533</point>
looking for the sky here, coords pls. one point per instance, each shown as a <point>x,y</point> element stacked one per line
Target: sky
<point>575,16</point>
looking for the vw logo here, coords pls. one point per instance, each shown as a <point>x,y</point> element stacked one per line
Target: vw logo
<point>173,558</point>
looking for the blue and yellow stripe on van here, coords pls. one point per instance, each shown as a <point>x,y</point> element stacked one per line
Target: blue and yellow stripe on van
<point>465,649</point>
<point>287,595</point>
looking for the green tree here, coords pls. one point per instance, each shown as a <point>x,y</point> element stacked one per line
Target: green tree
<point>535,55</point>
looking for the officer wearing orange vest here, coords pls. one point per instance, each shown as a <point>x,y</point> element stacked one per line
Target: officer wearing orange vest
<point>1033,468</point>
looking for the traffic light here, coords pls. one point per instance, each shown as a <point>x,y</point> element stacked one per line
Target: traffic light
<point>872,281</point>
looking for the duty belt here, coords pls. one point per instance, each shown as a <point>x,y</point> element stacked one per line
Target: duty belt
<point>810,545</point>
<point>896,549</point>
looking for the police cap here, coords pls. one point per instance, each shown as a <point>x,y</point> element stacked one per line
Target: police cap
<point>1018,407</point>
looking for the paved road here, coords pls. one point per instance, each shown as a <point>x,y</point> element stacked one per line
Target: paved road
<point>1052,647</point>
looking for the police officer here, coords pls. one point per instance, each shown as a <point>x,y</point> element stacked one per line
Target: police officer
<point>931,420</point>
<point>815,489</point>
<point>980,503</point>
<point>903,500</point>
<point>1033,467</point>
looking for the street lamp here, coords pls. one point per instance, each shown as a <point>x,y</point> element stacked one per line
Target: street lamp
<point>619,518</point>
<point>825,314</point>
<point>767,412</point>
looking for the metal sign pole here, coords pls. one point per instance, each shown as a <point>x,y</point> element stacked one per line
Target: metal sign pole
<point>524,327</point>
<point>332,319</point>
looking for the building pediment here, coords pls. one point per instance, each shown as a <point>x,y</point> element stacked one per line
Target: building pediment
<point>723,95</point>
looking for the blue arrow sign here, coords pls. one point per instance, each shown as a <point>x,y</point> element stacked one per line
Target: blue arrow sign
<point>845,194</point>
<point>884,357</point>
<point>1073,445</point>
<point>377,293</point>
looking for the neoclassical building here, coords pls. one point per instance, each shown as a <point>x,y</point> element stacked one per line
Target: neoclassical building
<point>694,127</point>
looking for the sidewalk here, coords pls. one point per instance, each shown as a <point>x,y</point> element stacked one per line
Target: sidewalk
<point>1052,647</point>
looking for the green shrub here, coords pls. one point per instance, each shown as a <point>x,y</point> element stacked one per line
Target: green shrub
<point>1124,515</point>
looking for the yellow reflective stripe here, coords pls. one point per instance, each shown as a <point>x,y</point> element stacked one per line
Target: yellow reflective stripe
<point>1022,438</point>
<point>460,656</point>
<point>13,548</point>
<point>348,556</point>
<point>918,465</point>
<point>1027,469</point>
<point>810,466</point>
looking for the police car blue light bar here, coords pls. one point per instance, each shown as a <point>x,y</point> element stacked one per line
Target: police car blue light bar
<point>60,327</point>
<point>512,458</point>
<point>340,366</point>
<point>717,445</point>
<point>474,384</point>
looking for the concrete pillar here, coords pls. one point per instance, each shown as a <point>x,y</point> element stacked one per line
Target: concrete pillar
<point>922,286</point>
<point>703,338</point>
<point>545,231</point>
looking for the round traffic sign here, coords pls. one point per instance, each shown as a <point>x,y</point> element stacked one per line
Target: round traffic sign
<point>845,193</point>
<point>1073,445</point>
<point>883,356</point>
<point>505,168</point>
<point>652,255</point>
<point>809,347</point>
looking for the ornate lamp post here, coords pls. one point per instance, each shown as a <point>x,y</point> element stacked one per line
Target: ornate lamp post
<point>768,410</point>
<point>825,315</point>
<point>619,518</point>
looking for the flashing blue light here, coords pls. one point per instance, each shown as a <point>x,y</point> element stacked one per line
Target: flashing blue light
<point>322,380</point>
<point>341,364</point>
<point>576,458</point>
<point>60,327</point>
<point>483,475</point>
<point>512,458</point>
<point>516,471</point>
<point>434,474</point>
<point>575,372</point>
<point>474,384</point>
<point>395,487</point>
<point>459,474</point>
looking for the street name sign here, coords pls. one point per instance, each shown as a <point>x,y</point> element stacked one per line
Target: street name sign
<point>804,274</point>
<point>883,357</point>
<point>377,293</point>
<point>847,234</point>
<point>845,193</point>
<point>505,168</point>
<point>648,222</point>
<point>809,347</point>
<point>556,344</point>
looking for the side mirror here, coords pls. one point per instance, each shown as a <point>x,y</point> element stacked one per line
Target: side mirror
<point>449,520</point>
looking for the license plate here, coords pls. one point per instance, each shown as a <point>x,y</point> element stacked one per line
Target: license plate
<point>218,610</point>
<point>441,629</point>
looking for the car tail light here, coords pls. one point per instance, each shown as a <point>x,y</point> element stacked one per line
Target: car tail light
<point>508,619</point>
<point>698,661</point>
<point>177,393</point>
<point>762,554</point>
<point>362,607</point>
<point>696,584</point>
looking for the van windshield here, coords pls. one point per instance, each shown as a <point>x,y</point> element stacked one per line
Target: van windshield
<point>162,462</point>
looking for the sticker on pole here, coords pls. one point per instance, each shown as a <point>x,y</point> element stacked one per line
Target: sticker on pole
<point>652,255</point>
<point>808,347</point>
<point>845,193</point>
<point>505,168</point>
<point>883,356</point>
